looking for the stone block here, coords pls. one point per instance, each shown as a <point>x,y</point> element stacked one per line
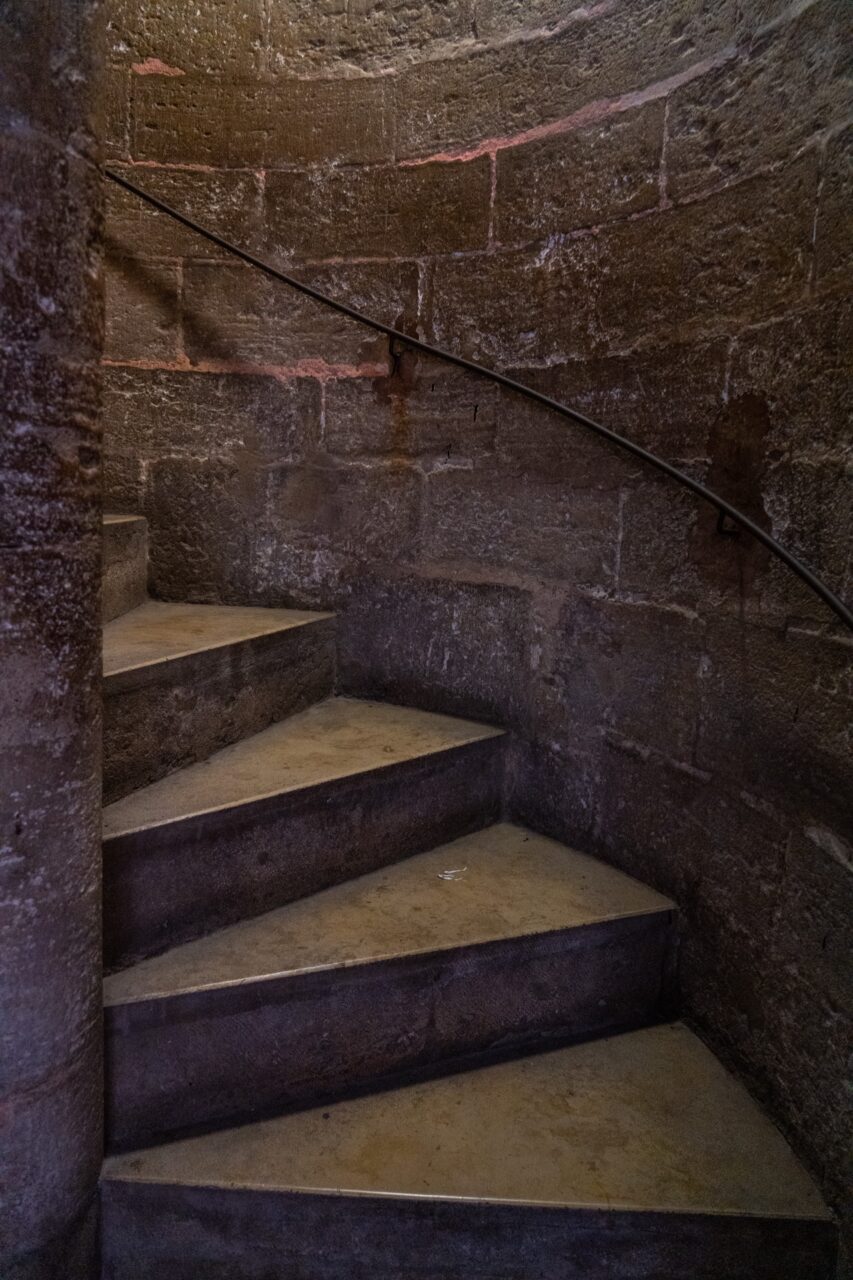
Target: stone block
<point>761,105</point>
<point>439,644</point>
<point>664,399</point>
<point>113,112</point>
<point>429,410</point>
<point>202,518</point>
<point>362,513</point>
<point>515,307</point>
<point>223,38</point>
<point>735,256</point>
<point>535,528</point>
<point>235,315</point>
<point>775,716</point>
<point>504,90</point>
<point>241,417</point>
<point>800,369</point>
<point>590,174</point>
<point>834,229</point>
<point>227,202</point>
<point>362,211</point>
<point>554,789</point>
<point>816,909</point>
<point>251,124</point>
<point>142,310</point>
<point>361,34</point>
<point>810,506</point>
<point>632,670</point>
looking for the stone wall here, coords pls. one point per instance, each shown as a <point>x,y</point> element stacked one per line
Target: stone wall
<point>50,337</point>
<point>636,206</point>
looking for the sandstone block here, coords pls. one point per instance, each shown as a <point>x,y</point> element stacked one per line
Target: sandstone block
<point>536,528</point>
<point>243,417</point>
<point>513,307</point>
<point>250,124</point>
<point>834,231</point>
<point>233,314</point>
<point>227,201</point>
<point>224,37</point>
<point>443,645</point>
<point>429,410</point>
<point>664,399</point>
<point>590,174</point>
<point>142,310</point>
<point>387,212</point>
<point>695,270</point>
<point>761,105</point>
<point>362,33</point>
<point>500,91</point>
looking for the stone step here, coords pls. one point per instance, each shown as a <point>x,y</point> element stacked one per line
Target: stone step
<point>497,940</point>
<point>324,796</point>
<point>125,564</point>
<point>632,1158</point>
<point>181,681</point>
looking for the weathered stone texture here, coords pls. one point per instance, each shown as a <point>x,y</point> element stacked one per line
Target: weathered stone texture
<point>225,201</point>
<point>143,310</point>
<point>834,229</point>
<point>226,36</point>
<point>760,107</point>
<point>351,34</point>
<point>706,267</point>
<point>50,333</point>
<point>590,174</point>
<point>512,307</point>
<point>232,314</point>
<point>498,92</point>
<point>493,517</point>
<point>442,645</point>
<point>426,410</point>
<point>246,124</point>
<point>383,212</point>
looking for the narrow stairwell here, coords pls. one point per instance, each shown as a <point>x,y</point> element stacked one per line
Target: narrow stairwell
<point>361,1027</point>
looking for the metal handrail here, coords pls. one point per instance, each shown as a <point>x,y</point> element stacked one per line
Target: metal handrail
<point>724,508</point>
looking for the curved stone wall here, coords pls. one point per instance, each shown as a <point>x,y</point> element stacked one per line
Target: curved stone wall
<point>50,338</point>
<point>639,208</point>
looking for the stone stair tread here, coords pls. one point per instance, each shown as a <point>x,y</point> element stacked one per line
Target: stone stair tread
<point>647,1120</point>
<point>500,883</point>
<point>157,632</point>
<point>335,739</point>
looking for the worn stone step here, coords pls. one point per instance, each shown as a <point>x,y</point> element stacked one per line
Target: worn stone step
<point>635,1157</point>
<point>125,564</point>
<point>182,681</point>
<point>326,795</point>
<point>499,939</point>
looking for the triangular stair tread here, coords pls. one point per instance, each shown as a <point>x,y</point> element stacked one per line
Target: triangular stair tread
<point>500,883</point>
<point>120,518</point>
<point>338,738</point>
<point>647,1120</point>
<point>158,632</point>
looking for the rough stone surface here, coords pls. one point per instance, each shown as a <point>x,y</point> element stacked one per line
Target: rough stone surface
<point>50,336</point>
<point>125,565</point>
<point>406,211</point>
<point>590,174</point>
<point>641,208</point>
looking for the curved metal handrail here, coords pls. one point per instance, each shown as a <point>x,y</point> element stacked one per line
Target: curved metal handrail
<point>724,508</point>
